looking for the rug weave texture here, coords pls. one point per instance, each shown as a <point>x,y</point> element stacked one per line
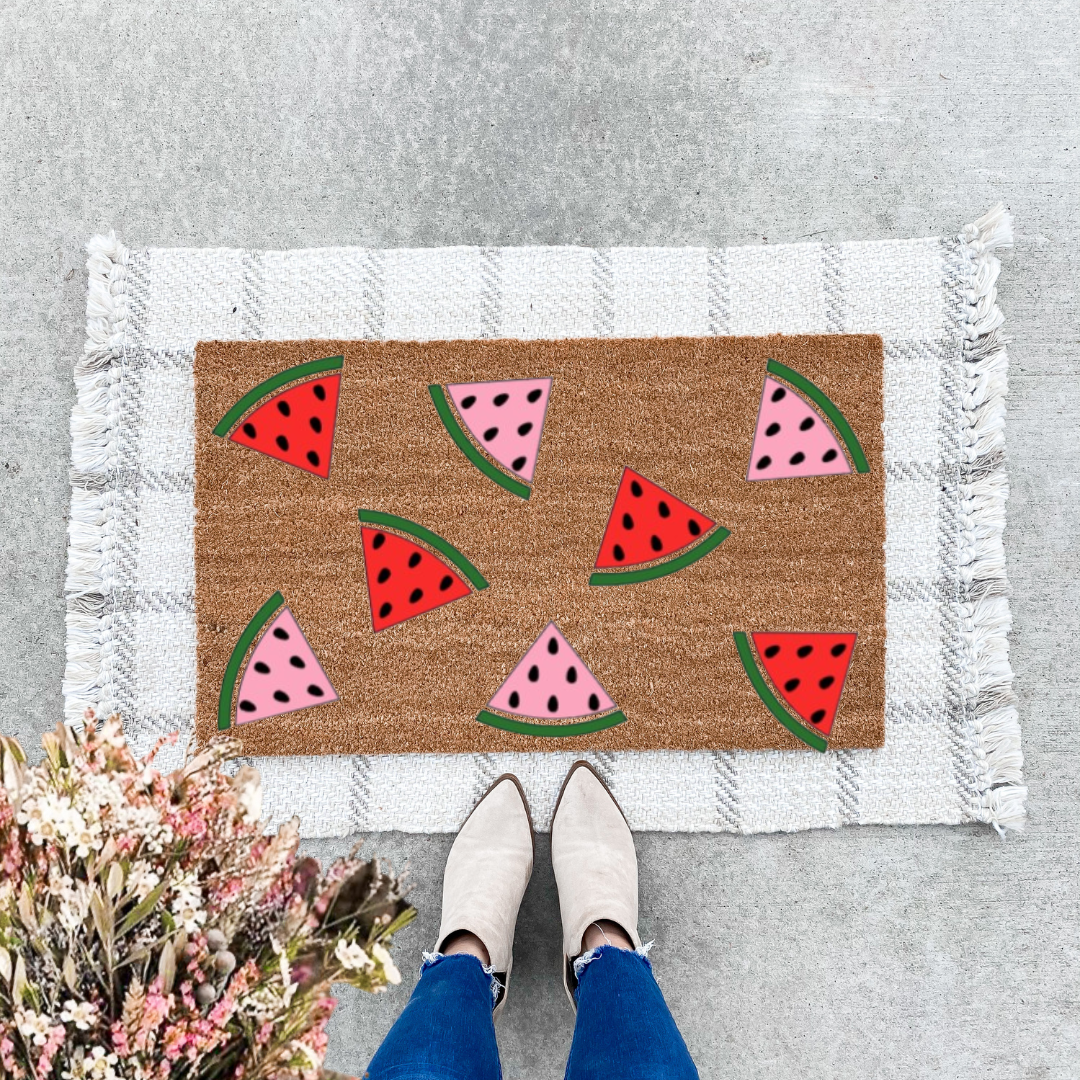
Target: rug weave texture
<point>951,749</point>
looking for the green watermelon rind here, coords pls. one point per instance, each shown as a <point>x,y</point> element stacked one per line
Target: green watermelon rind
<point>552,731</point>
<point>275,382</point>
<point>232,669</point>
<point>444,547</point>
<point>464,444</point>
<point>794,725</point>
<point>851,441</point>
<point>650,573</point>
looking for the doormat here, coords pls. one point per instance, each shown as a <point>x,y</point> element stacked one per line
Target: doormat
<point>646,522</point>
<point>920,726</point>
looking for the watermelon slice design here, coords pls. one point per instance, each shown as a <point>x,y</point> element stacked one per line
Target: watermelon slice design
<point>808,671</point>
<point>551,682</point>
<point>294,425</point>
<point>405,579</point>
<point>505,417</point>
<point>792,438</point>
<point>283,674</point>
<point>648,523</point>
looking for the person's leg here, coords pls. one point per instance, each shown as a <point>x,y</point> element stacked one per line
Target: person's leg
<point>446,1031</point>
<point>624,1030</point>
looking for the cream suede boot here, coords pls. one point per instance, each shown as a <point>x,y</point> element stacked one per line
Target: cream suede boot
<point>592,853</point>
<point>486,873</point>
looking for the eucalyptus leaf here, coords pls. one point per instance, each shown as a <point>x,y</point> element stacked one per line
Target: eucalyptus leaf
<point>71,979</point>
<point>140,911</point>
<point>167,967</point>
<point>115,881</point>
<point>5,964</point>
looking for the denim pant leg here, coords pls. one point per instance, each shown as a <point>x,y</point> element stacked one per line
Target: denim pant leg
<point>446,1031</point>
<point>624,1030</point>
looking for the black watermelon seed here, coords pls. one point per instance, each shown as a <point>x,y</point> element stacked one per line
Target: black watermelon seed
<point>316,425</point>
<point>490,434</point>
<point>635,489</point>
<point>519,463</point>
<point>779,394</point>
<point>281,633</point>
<point>817,716</point>
<point>515,699</point>
<point>534,673</point>
<point>571,674</point>
<point>414,560</point>
<point>378,541</point>
<point>826,682</point>
<point>553,704</point>
<point>247,706</point>
<point>524,429</point>
<point>553,645</point>
<point>280,695</point>
<point>315,690</point>
<point>283,408</point>
<point>665,510</point>
<point>839,648</point>
<point>829,455</point>
<point>791,684</point>
<point>627,521</point>
<point>594,702</point>
<point>772,429</point>
<point>618,552</point>
<point>416,596</point>
<point>282,442</point>
<point>313,457</point>
<point>694,527</point>
<point>534,396</point>
<point>249,431</point>
<point>764,462</point>
<point>500,399</point>
<point>656,543</point>
<point>261,668</point>
<point>772,650</point>
<point>446,582</point>
<point>385,609</point>
<point>804,651</point>
<point>807,424</point>
<point>797,458</point>
<point>297,661</point>
<point>468,402</point>
<point>320,391</point>
<point>384,575</point>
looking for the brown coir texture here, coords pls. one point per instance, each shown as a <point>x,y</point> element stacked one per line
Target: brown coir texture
<point>803,555</point>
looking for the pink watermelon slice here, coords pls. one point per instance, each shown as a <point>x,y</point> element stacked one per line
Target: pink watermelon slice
<point>551,682</point>
<point>282,675</point>
<point>793,438</point>
<point>295,424</point>
<point>648,523</point>
<point>505,417</point>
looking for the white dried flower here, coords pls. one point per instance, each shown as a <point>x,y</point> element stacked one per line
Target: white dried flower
<point>33,1026</point>
<point>80,1013</point>
<point>390,970</point>
<point>351,956</point>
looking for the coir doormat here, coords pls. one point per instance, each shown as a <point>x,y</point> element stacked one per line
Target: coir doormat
<point>426,509</point>
<point>919,718</point>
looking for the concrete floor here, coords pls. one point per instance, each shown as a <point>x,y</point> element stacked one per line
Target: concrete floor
<point>862,953</point>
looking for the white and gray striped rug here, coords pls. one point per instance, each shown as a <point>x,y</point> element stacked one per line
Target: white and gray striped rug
<point>952,746</point>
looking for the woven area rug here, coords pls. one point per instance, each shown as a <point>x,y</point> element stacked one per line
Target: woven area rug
<point>159,603</point>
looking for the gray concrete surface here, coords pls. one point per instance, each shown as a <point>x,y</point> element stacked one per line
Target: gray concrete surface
<point>864,953</point>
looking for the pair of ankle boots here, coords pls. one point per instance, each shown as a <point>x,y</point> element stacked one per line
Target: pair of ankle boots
<point>491,861</point>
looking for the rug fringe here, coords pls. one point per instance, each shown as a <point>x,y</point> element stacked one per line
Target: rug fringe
<point>94,423</point>
<point>985,608</point>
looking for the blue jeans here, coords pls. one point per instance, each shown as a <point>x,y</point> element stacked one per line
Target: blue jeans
<point>624,1030</point>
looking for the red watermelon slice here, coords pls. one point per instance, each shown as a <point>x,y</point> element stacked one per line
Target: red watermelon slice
<point>294,425</point>
<point>405,579</point>
<point>551,682</point>
<point>648,523</point>
<point>505,417</point>
<point>808,671</point>
<point>283,674</point>
<point>793,438</point>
